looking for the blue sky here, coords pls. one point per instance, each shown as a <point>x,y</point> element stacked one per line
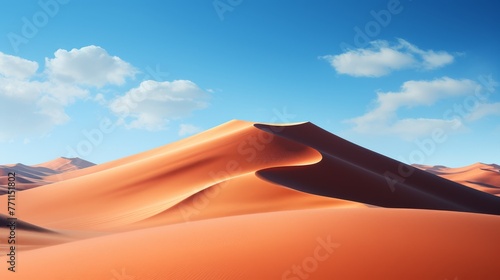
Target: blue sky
<point>413,80</point>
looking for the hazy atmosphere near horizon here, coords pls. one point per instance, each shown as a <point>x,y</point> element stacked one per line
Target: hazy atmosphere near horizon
<point>100,80</point>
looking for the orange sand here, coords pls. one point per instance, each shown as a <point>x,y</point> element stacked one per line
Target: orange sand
<point>253,201</point>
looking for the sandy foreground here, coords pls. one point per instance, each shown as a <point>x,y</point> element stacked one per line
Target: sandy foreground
<point>254,201</point>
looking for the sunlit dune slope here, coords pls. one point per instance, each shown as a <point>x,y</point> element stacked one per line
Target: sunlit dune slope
<point>305,244</point>
<point>170,184</point>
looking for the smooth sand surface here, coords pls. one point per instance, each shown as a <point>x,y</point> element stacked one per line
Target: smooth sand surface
<point>253,201</point>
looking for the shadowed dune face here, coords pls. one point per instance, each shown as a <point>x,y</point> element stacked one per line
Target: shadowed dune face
<point>253,201</point>
<point>351,172</point>
<point>28,236</point>
<point>5,222</point>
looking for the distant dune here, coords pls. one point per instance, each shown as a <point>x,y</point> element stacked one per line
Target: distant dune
<point>41,174</point>
<point>480,176</point>
<point>253,201</point>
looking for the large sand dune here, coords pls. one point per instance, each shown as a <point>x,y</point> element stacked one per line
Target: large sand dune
<point>254,201</point>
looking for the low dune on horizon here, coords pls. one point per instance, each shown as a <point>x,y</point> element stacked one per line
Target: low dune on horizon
<point>28,177</point>
<point>480,176</point>
<point>247,200</point>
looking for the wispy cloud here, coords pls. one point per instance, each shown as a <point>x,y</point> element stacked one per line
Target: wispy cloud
<point>188,129</point>
<point>382,58</point>
<point>383,118</point>
<point>483,110</point>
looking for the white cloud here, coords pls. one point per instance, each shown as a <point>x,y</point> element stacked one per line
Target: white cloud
<point>430,58</point>
<point>90,65</point>
<point>484,109</point>
<point>35,103</point>
<point>53,109</point>
<point>153,104</point>
<point>29,117</point>
<point>370,63</point>
<point>383,118</point>
<point>188,129</point>
<point>382,58</point>
<point>65,94</point>
<point>16,68</point>
<point>436,59</point>
<point>33,108</point>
